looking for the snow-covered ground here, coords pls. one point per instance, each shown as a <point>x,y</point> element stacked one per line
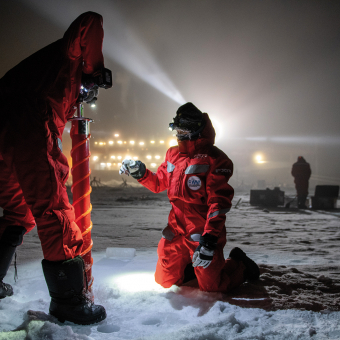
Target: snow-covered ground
<point>297,297</point>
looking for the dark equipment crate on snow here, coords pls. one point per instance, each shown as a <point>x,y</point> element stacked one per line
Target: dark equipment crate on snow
<point>325,197</point>
<point>267,198</point>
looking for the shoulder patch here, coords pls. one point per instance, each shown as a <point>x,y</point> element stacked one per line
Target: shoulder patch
<point>194,183</point>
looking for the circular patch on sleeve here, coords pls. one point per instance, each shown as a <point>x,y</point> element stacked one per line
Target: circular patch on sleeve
<point>194,183</point>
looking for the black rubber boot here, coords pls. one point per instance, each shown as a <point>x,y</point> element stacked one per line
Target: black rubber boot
<point>302,202</point>
<point>65,281</point>
<point>252,271</point>
<point>6,255</point>
<point>10,239</point>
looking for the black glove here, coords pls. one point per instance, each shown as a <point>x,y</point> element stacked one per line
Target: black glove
<point>204,253</point>
<point>136,169</point>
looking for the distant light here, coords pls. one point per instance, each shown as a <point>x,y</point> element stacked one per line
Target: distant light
<point>104,143</point>
<point>124,142</point>
<point>101,143</point>
<point>141,143</point>
<point>132,142</point>
<point>95,142</point>
<point>173,142</point>
<point>135,157</point>
<point>113,157</point>
<point>119,157</point>
<point>153,165</point>
<point>157,157</point>
<point>110,142</point>
<point>95,158</point>
<point>108,164</point>
<point>116,135</point>
<point>102,164</point>
<point>148,157</point>
<point>120,142</point>
<point>152,141</point>
<point>93,105</point>
<point>127,157</point>
<point>162,141</point>
<point>259,159</point>
<point>119,164</point>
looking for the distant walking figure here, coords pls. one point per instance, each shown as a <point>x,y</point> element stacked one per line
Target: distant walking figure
<point>301,172</point>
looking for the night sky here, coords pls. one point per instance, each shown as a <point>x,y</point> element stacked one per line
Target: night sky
<point>267,72</point>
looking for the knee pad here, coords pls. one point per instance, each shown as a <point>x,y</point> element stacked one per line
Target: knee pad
<point>13,235</point>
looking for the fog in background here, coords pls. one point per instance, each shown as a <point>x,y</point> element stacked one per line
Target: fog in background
<point>267,72</point>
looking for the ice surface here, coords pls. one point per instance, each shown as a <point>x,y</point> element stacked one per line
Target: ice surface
<point>297,297</point>
<point>118,252</point>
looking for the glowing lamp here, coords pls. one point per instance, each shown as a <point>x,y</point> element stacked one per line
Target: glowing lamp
<point>138,282</point>
<point>259,159</point>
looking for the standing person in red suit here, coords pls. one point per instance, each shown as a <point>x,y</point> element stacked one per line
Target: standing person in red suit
<point>38,96</point>
<point>195,173</point>
<point>301,172</point>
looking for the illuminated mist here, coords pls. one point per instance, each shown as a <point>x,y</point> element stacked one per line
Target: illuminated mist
<point>121,44</point>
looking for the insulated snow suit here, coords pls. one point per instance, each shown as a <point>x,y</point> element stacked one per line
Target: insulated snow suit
<point>301,172</point>
<point>196,175</point>
<point>40,95</point>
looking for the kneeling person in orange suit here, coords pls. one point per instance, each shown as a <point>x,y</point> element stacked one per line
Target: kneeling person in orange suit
<point>195,173</point>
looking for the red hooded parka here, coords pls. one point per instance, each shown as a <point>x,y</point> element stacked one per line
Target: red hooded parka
<point>40,95</point>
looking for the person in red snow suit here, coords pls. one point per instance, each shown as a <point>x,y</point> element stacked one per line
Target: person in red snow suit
<point>38,96</point>
<point>195,173</point>
<point>301,172</point>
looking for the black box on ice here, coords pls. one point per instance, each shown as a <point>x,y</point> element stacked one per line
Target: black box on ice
<point>325,197</point>
<point>268,198</point>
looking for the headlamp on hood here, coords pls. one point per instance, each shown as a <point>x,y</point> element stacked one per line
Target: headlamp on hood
<point>189,119</point>
<point>90,84</point>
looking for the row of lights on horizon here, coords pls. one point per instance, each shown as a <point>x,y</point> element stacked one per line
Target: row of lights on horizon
<point>132,142</point>
<point>95,158</point>
<point>258,159</point>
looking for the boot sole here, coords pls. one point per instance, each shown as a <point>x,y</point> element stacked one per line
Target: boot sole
<point>62,319</point>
